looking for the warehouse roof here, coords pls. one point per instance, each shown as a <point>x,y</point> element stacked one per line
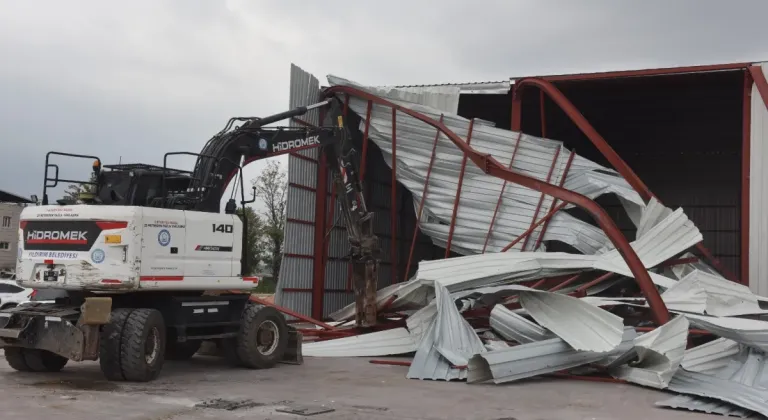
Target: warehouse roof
<point>6,197</point>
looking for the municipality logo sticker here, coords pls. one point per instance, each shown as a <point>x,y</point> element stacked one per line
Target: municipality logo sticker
<point>263,144</point>
<point>98,256</point>
<point>164,237</point>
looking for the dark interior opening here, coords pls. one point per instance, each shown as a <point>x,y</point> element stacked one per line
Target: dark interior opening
<point>681,134</point>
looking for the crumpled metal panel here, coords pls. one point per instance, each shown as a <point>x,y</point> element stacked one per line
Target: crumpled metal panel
<point>751,332</point>
<point>663,241</point>
<point>742,382</point>
<point>516,328</point>
<point>480,192</point>
<point>537,358</point>
<point>448,343</point>
<point>707,405</point>
<point>659,355</point>
<point>581,325</point>
<point>722,297</point>
<point>381,343</point>
<point>710,357</point>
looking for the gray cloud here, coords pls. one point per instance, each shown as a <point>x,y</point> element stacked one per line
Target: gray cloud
<point>139,80</point>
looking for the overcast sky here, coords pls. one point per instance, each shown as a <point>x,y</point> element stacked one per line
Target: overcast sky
<point>136,79</point>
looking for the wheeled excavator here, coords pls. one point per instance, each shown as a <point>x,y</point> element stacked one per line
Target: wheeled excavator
<point>139,253</point>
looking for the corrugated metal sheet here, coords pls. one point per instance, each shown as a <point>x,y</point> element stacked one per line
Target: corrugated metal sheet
<point>300,204</point>
<point>381,343</point>
<point>488,88</point>
<point>710,357</point>
<point>583,326</point>
<point>758,194</point>
<point>448,342</point>
<point>659,354</point>
<point>516,328</point>
<point>743,382</point>
<point>751,332</point>
<point>722,297</point>
<point>537,358</point>
<point>480,192</point>
<point>707,405</point>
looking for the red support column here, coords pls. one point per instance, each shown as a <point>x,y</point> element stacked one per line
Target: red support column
<point>365,140</point>
<point>423,200</point>
<point>458,191</point>
<point>541,198</point>
<point>745,166</point>
<point>318,269</point>
<point>554,201</point>
<point>501,195</point>
<point>393,201</point>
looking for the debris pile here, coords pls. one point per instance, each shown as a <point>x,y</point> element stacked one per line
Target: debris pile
<point>504,317</point>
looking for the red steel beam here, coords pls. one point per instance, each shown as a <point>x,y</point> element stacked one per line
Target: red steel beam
<point>393,201</point>
<point>458,192</point>
<point>365,139</point>
<point>645,72</point>
<point>541,197</point>
<point>565,283</point>
<point>291,313</point>
<point>554,201</point>
<point>501,195</point>
<point>745,166</point>
<point>492,167</point>
<point>534,226</point>
<point>318,266</point>
<point>607,151</point>
<point>423,200</point>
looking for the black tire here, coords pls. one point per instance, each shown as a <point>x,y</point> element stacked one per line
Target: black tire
<point>111,340</point>
<point>262,339</point>
<point>15,358</point>
<point>43,360</point>
<point>181,351</point>
<point>142,351</point>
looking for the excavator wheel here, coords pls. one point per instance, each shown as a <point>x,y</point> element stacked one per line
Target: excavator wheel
<point>261,341</point>
<point>34,360</point>
<point>133,345</point>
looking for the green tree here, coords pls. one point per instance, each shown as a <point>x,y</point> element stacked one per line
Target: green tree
<point>72,192</point>
<point>272,187</point>
<point>255,242</point>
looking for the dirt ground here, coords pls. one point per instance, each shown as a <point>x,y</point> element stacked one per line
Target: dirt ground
<point>354,388</point>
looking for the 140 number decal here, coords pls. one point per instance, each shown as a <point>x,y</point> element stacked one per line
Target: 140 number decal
<point>223,228</point>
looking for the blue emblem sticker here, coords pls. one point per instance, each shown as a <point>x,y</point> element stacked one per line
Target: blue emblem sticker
<point>263,144</point>
<point>98,256</point>
<point>164,237</point>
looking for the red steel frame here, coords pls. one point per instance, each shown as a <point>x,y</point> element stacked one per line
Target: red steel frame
<point>458,191</point>
<point>393,202</point>
<point>501,194</point>
<point>491,166</point>
<point>605,149</point>
<point>423,199</point>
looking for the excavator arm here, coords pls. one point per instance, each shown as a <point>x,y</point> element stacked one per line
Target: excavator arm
<point>230,149</point>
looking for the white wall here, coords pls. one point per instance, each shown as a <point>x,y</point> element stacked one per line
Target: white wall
<point>758,194</point>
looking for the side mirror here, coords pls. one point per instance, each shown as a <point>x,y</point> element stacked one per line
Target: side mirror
<point>33,197</point>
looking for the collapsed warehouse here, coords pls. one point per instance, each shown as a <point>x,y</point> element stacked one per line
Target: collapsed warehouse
<point>598,224</point>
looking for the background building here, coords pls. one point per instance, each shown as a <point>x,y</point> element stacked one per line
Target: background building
<point>10,210</point>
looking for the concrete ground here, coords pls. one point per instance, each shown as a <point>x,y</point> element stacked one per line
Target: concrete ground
<point>353,387</point>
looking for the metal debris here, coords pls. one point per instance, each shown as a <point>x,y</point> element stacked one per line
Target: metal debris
<point>533,359</point>
<point>516,328</point>
<point>659,355</point>
<point>305,410</point>
<point>229,405</point>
